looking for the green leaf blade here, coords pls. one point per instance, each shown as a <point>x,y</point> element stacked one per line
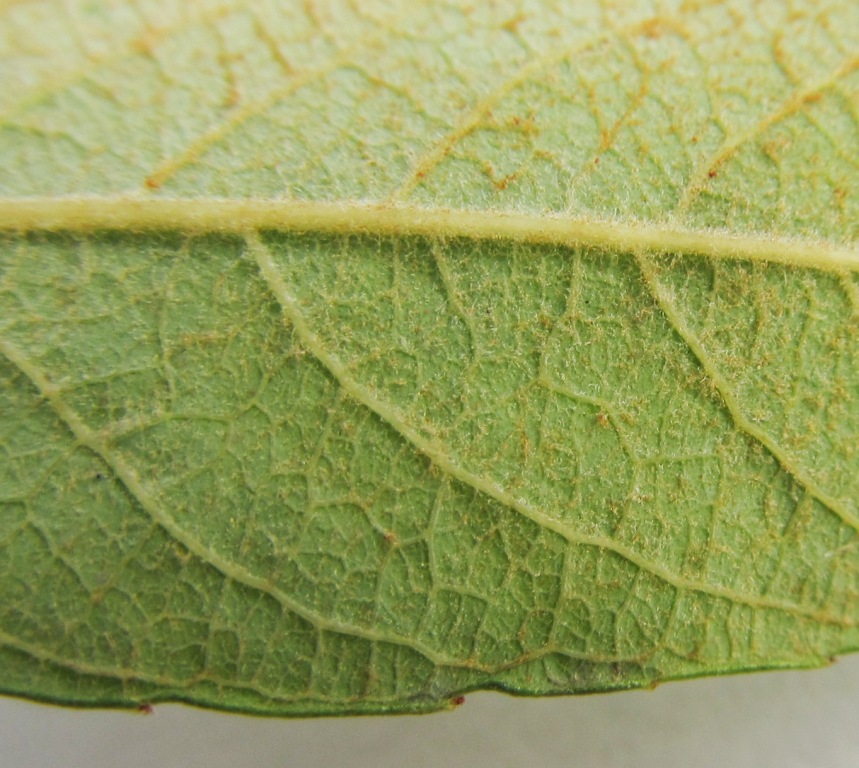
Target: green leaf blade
<point>264,460</point>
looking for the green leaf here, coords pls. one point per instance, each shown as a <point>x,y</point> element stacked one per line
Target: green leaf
<point>356,357</point>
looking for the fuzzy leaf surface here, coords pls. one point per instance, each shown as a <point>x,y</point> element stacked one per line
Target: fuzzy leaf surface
<point>356,356</point>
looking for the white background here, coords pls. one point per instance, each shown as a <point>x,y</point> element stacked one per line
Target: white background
<point>778,719</point>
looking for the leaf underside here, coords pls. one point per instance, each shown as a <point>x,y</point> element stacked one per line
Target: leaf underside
<point>275,469</point>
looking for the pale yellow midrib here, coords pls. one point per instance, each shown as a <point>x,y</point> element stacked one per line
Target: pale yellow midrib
<point>134,214</point>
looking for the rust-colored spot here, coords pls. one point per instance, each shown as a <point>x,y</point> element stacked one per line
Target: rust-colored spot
<point>146,708</point>
<point>512,24</point>
<point>458,701</point>
<point>712,173</point>
<point>152,183</point>
<point>606,138</point>
<point>232,98</point>
<point>145,44</point>
<point>526,125</point>
<point>500,183</point>
<point>653,28</point>
<point>602,419</point>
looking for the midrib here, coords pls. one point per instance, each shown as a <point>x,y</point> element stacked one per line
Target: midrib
<point>89,214</point>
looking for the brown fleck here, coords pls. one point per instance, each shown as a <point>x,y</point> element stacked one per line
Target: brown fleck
<point>526,125</point>
<point>499,183</point>
<point>512,24</point>
<point>145,44</point>
<point>653,28</point>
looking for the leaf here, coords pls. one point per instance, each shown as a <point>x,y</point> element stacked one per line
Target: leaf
<point>357,357</point>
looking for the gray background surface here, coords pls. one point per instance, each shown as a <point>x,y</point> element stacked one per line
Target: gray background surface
<point>782,719</point>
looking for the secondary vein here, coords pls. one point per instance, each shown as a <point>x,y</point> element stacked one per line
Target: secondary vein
<point>448,464</point>
<point>742,421</point>
<point>95,442</point>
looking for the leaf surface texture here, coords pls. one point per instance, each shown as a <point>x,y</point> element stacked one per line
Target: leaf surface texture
<point>355,356</point>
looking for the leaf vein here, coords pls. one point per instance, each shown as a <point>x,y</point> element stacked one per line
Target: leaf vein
<point>240,216</point>
<point>437,454</point>
<point>94,442</point>
<point>742,422</point>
